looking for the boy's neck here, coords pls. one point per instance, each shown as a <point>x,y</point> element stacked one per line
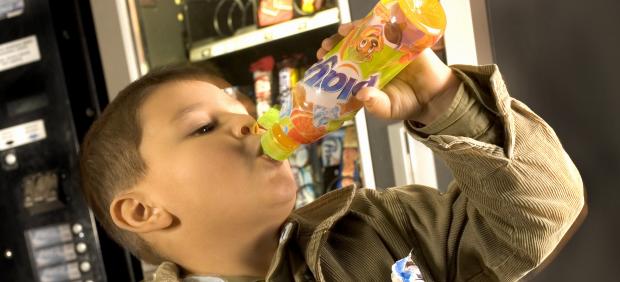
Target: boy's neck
<point>245,253</point>
<point>257,255</point>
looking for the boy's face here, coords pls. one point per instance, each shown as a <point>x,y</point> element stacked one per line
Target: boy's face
<point>204,164</point>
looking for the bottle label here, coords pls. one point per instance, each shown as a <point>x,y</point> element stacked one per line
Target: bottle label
<point>329,83</point>
<point>370,56</point>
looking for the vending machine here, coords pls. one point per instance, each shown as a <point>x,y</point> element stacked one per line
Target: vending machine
<point>49,95</point>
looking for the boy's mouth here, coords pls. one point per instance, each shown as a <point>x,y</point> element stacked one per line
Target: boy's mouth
<point>260,151</point>
<point>261,154</point>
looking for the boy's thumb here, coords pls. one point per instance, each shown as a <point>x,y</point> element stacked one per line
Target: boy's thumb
<point>375,101</point>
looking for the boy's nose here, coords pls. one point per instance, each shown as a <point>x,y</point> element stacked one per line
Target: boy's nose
<point>245,130</point>
<point>243,126</point>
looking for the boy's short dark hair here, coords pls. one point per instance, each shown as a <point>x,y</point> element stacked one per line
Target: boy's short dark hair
<point>110,160</point>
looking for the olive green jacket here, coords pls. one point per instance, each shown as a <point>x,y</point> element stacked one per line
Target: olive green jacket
<point>516,193</point>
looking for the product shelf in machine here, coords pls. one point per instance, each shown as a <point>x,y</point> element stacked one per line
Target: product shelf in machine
<point>264,35</point>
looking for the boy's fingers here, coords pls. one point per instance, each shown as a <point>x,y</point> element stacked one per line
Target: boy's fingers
<point>329,43</point>
<point>320,54</point>
<point>376,102</point>
<point>344,29</point>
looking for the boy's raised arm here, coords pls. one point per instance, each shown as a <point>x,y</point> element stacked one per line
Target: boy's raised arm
<point>516,191</point>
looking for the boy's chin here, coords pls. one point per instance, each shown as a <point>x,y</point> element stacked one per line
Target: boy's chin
<point>283,191</point>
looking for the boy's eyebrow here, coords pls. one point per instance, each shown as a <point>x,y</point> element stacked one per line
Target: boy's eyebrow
<point>185,111</point>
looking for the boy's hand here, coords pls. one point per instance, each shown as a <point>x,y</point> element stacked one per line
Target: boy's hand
<point>421,92</point>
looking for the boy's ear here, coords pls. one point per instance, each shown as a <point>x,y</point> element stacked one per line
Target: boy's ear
<point>133,213</point>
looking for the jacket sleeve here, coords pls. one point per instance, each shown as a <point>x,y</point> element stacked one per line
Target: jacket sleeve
<point>516,191</point>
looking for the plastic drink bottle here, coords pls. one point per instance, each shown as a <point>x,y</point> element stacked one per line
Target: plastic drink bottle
<point>385,42</point>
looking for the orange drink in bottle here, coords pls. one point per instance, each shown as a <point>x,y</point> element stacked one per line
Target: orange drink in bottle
<point>382,45</point>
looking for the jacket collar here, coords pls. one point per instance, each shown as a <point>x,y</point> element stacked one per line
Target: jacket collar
<point>311,225</point>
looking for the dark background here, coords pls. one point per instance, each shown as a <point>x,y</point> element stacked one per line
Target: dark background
<point>561,58</point>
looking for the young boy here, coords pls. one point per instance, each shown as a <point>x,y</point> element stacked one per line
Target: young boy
<point>175,174</point>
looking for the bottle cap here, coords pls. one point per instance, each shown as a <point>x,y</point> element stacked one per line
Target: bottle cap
<point>428,15</point>
<point>276,144</point>
<point>269,118</point>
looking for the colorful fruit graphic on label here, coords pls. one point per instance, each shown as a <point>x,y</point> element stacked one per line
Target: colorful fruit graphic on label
<point>303,129</point>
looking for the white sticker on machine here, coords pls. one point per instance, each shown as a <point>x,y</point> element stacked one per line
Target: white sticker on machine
<point>22,134</point>
<point>19,52</point>
<point>11,8</point>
